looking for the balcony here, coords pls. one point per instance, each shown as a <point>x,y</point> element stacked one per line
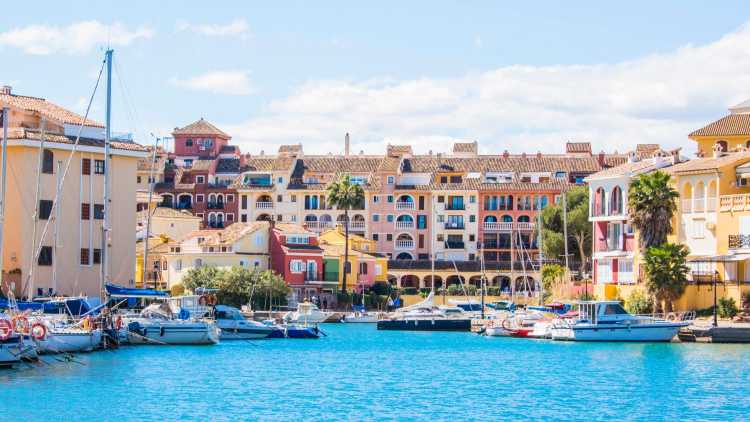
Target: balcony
<point>739,241</point>
<point>215,205</point>
<point>404,206</point>
<point>707,204</point>
<point>404,225</point>
<point>454,245</point>
<point>404,244</point>
<point>524,226</point>
<point>264,205</point>
<point>454,225</point>
<point>358,226</point>
<point>318,226</point>
<point>455,207</point>
<point>498,227</point>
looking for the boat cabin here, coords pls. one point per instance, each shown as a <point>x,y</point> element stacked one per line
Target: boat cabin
<point>602,312</point>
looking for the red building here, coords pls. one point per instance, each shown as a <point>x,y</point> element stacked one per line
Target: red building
<point>296,256</point>
<point>197,176</point>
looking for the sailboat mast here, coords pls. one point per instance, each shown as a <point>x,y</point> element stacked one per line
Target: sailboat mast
<point>512,262</point>
<point>540,246</point>
<point>35,215</point>
<point>55,227</point>
<point>148,215</point>
<point>565,226</point>
<point>2,190</point>
<point>483,281</point>
<point>107,134</point>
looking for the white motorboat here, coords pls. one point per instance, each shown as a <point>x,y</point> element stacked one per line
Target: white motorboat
<point>362,317</point>
<point>425,316</point>
<point>609,321</point>
<point>307,312</point>
<point>156,325</point>
<point>234,326</point>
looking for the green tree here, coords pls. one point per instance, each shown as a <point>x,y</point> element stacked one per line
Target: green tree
<point>345,195</point>
<point>206,277</point>
<point>638,303</point>
<point>236,286</point>
<point>666,272</point>
<point>270,288</point>
<point>728,307</point>
<point>651,204</point>
<point>579,227</point>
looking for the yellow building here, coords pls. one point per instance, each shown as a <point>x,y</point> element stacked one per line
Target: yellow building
<point>240,244</point>
<point>729,133</point>
<point>169,222</point>
<point>157,247</point>
<point>65,255</point>
<point>367,266</point>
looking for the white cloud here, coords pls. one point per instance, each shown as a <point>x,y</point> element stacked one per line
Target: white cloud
<point>76,38</point>
<point>238,28</point>
<point>228,82</point>
<point>654,99</point>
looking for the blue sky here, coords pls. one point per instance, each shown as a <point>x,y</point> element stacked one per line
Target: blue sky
<point>517,77</point>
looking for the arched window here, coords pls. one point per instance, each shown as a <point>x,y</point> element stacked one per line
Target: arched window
<point>600,206</point>
<point>615,206</point>
<point>490,219</point>
<point>48,162</point>
<point>523,219</point>
<point>507,219</point>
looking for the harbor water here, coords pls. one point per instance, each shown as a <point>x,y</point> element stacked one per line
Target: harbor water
<point>359,373</point>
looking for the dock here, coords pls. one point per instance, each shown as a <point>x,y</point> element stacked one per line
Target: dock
<point>726,332</point>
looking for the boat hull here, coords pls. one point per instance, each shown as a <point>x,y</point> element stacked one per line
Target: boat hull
<point>174,334</point>
<point>10,351</point>
<point>425,324</point>
<point>619,333</point>
<point>69,342</point>
<point>245,332</point>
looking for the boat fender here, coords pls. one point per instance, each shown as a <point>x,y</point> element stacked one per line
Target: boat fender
<point>184,314</point>
<point>6,329</point>
<point>87,325</point>
<point>671,316</point>
<point>118,323</point>
<point>38,331</point>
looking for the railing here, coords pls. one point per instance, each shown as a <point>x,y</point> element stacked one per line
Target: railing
<point>739,241</point>
<point>699,205</point>
<point>687,205</point>
<point>357,225</point>
<point>454,225</point>
<point>404,225</point>
<point>403,205</point>
<point>506,226</point>
<point>264,205</point>
<point>454,245</point>
<point>455,207</point>
<point>404,244</point>
<point>525,226</point>
<point>215,205</point>
<point>318,225</point>
<point>598,211</point>
<point>183,207</point>
<point>711,204</point>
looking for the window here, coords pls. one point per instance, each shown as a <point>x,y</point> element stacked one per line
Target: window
<point>280,180</point>
<point>421,241</point>
<point>86,167</point>
<point>84,256</point>
<point>138,179</point>
<point>472,199</point>
<point>472,238</point>
<point>243,218</point>
<point>243,202</point>
<point>375,218</point>
<point>164,265</point>
<point>624,271</point>
<point>455,179</point>
<point>200,179</point>
<point>389,237</point>
<point>294,218</point>
<point>560,175</point>
<point>378,269</point>
<point>440,199</point>
<point>48,162</point>
<point>279,198</point>
<point>628,229</point>
<point>421,221</point>
<point>279,218</point>
<point>296,266</point>
<point>424,256</point>
<point>85,211</point>
<point>188,142</point>
<point>294,198</point>
<point>98,166</point>
<point>440,238</point>
<point>604,271</point>
<point>699,226</point>
<point>363,268</point>
<point>614,236</point>
<point>375,199</point>
<point>391,180</point>
<point>230,198</point>
<point>178,265</point>
<point>97,256</point>
<point>443,179</point>
<point>45,209</point>
<point>472,257</point>
<point>45,256</point>
<point>199,197</point>
<point>390,218</point>
<point>472,218</point>
<point>198,263</point>
<point>375,237</point>
<point>99,211</point>
<point>421,202</point>
<point>390,199</point>
<point>230,217</point>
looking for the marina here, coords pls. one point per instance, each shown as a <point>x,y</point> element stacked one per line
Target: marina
<point>372,374</point>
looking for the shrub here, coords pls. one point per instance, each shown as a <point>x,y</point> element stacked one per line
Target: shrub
<point>746,300</point>
<point>727,307</point>
<point>343,298</point>
<point>493,291</point>
<point>409,290</point>
<point>585,296</point>
<point>455,290</point>
<point>381,288</point>
<point>177,290</point>
<point>471,290</point>
<point>639,303</point>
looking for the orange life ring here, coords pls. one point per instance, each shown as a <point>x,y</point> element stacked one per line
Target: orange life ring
<point>87,324</point>
<point>212,301</point>
<point>118,323</point>
<point>203,300</point>
<point>38,331</point>
<point>6,329</point>
<point>20,324</point>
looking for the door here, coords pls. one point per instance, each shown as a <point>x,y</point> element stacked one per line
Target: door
<point>312,271</point>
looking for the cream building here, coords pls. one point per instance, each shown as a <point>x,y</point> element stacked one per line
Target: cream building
<point>240,244</point>
<point>169,222</point>
<point>59,251</point>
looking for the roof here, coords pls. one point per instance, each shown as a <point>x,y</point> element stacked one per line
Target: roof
<point>501,163</point>
<point>627,169</point>
<point>701,165</point>
<point>290,148</point>
<point>233,233</point>
<point>339,164</point>
<point>291,228</point>
<point>47,109</point>
<point>225,149</point>
<point>471,147</point>
<point>578,147</point>
<point>338,250</point>
<point>228,165</point>
<point>397,150</point>
<point>732,124</point>
<point>200,127</point>
<point>165,212</point>
<point>155,245</point>
<point>35,135</point>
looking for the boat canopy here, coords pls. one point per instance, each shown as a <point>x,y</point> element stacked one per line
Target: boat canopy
<point>72,305</point>
<point>120,291</point>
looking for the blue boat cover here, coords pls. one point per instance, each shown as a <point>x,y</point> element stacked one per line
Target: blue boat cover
<point>74,306</point>
<point>120,291</point>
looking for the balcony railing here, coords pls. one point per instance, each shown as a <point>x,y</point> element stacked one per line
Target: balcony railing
<point>454,245</point>
<point>356,225</point>
<point>318,226</point>
<point>264,205</point>
<point>739,241</point>
<point>453,225</point>
<point>403,205</point>
<point>404,244</point>
<point>215,205</point>
<point>524,226</point>
<point>707,204</point>
<point>687,205</point>
<point>404,225</point>
<point>455,207</point>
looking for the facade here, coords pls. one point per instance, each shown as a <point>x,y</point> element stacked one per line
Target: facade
<point>64,257</point>
<point>367,266</point>
<point>297,257</point>
<point>240,244</point>
<point>167,222</point>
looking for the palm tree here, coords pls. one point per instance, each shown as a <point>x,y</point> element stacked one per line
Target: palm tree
<point>345,195</point>
<point>651,201</point>
<point>667,272</point>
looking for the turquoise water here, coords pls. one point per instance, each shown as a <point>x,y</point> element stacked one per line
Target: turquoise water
<point>359,373</point>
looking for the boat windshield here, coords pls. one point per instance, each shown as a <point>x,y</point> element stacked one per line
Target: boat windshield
<point>614,309</point>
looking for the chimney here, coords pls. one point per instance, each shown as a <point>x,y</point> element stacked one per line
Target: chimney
<point>346,145</point>
<point>506,154</point>
<point>6,89</point>
<point>539,154</point>
<point>600,158</point>
<point>262,153</point>
<point>430,153</point>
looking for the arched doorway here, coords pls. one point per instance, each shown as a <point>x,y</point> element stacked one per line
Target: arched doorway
<point>428,281</point>
<point>410,281</point>
<point>404,256</point>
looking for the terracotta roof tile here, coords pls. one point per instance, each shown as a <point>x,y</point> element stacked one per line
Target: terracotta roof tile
<point>233,233</point>
<point>698,165</point>
<point>35,135</point>
<point>45,108</point>
<point>733,124</point>
<point>578,147</point>
<point>200,127</point>
<point>471,147</point>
